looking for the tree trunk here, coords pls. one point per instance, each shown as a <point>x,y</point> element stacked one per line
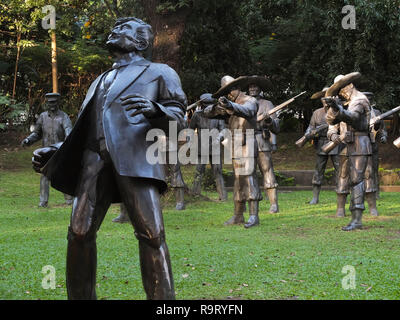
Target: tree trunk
<point>168,29</point>
<point>54,61</point>
<point>16,63</point>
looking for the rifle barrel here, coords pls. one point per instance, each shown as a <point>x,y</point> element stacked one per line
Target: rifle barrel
<point>284,104</point>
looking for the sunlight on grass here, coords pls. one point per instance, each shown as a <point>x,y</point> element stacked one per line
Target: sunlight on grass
<point>298,253</point>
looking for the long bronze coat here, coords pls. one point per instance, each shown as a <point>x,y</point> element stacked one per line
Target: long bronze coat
<point>125,136</point>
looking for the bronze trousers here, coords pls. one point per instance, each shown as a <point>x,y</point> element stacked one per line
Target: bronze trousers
<point>98,182</point>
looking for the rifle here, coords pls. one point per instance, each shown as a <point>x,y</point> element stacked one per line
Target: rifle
<point>304,139</point>
<point>397,142</point>
<point>281,106</point>
<point>195,104</point>
<point>376,119</point>
<point>332,144</point>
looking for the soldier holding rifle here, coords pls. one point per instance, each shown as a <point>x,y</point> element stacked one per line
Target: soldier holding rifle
<point>200,123</point>
<point>265,127</point>
<point>371,173</point>
<point>241,112</point>
<point>317,130</point>
<point>355,113</point>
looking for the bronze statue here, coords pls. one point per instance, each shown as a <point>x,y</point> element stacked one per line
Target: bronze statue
<point>317,131</point>
<point>103,160</point>
<point>354,112</point>
<point>200,122</point>
<point>371,177</point>
<point>266,126</point>
<point>241,112</point>
<point>53,126</point>
<point>372,170</point>
<point>123,215</point>
<point>173,172</point>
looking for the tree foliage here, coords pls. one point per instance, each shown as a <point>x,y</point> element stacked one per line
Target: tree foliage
<point>300,45</point>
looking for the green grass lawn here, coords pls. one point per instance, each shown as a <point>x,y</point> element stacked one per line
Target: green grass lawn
<point>296,254</point>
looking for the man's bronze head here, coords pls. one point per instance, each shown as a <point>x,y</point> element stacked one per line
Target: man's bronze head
<point>52,101</point>
<point>129,35</point>
<point>254,90</point>
<point>346,92</point>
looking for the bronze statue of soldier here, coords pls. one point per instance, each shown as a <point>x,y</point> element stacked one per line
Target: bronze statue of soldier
<point>354,112</point>
<point>378,135</point>
<point>103,160</point>
<point>371,172</point>
<point>52,126</point>
<point>241,112</point>
<point>266,126</point>
<point>200,122</point>
<point>173,172</point>
<point>317,131</point>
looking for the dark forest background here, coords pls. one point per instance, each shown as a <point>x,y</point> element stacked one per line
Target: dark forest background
<point>300,45</point>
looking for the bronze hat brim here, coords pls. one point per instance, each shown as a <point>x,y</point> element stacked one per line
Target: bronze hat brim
<point>346,80</point>
<point>368,94</point>
<point>243,82</point>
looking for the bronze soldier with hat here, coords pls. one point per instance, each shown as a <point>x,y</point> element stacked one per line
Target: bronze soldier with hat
<point>266,126</point>
<point>241,112</point>
<point>317,131</point>
<point>200,122</point>
<point>355,112</point>
<point>53,126</point>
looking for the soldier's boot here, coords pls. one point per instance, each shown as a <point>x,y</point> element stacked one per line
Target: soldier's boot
<point>44,192</point>
<point>219,182</point>
<point>355,223</point>
<point>180,198</point>
<point>68,199</point>
<point>237,217</point>
<point>123,215</point>
<point>253,218</point>
<point>316,191</point>
<point>196,189</point>
<point>341,203</point>
<point>371,199</point>
<point>273,200</point>
<point>42,204</point>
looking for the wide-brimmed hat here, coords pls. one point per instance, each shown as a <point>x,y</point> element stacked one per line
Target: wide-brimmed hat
<point>242,82</point>
<point>52,96</point>
<point>368,94</point>
<point>341,81</point>
<point>263,82</point>
<point>319,94</point>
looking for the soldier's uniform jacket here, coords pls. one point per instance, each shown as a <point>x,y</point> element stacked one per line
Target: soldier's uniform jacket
<point>243,116</point>
<point>319,118</point>
<point>51,128</point>
<point>199,121</point>
<point>356,119</point>
<point>265,127</point>
<point>377,134</point>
